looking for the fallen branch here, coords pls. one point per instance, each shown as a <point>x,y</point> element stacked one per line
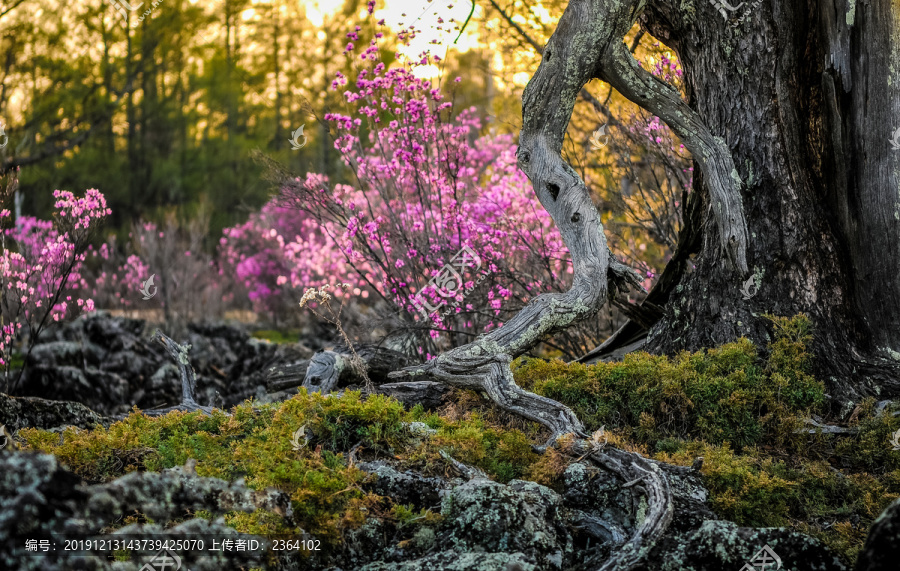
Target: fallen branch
<point>824,428</point>
<point>328,370</point>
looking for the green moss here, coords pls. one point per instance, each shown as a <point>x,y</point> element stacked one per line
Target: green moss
<point>505,455</point>
<point>737,405</point>
<point>768,490</point>
<point>739,408</point>
<point>255,443</point>
<point>727,394</point>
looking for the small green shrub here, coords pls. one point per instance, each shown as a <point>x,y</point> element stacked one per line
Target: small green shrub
<point>727,394</point>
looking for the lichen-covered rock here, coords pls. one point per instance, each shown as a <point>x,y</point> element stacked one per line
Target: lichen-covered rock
<point>521,517</point>
<point>206,559</point>
<point>420,429</point>
<point>691,498</point>
<point>598,491</point>
<point>882,550</point>
<point>456,561</point>
<point>717,545</point>
<point>22,412</point>
<point>39,499</point>
<point>406,487</point>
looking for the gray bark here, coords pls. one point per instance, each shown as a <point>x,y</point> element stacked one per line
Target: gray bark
<point>806,97</point>
<point>188,378</point>
<point>328,370</point>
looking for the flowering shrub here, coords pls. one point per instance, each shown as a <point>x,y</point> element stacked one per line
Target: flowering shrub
<point>277,252</point>
<point>427,186</point>
<point>40,267</point>
<point>115,280</point>
<point>187,281</point>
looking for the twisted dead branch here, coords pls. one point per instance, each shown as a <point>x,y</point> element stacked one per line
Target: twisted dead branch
<point>587,44</point>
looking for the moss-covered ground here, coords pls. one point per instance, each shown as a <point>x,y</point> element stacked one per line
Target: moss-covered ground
<point>737,406</point>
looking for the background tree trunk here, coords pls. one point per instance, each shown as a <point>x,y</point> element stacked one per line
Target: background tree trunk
<point>806,96</point>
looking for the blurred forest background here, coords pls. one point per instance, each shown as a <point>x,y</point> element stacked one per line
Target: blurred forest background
<point>161,112</point>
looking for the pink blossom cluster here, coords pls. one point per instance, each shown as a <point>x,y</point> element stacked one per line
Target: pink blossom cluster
<point>280,251</point>
<point>41,264</point>
<point>115,281</point>
<point>427,183</point>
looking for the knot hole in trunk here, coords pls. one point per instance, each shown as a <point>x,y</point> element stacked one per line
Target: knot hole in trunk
<point>553,189</point>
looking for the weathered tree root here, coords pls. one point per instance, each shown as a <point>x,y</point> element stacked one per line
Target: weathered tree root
<point>474,367</point>
<point>188,377</point>
<point>328,370</point>
<point>637,470</point>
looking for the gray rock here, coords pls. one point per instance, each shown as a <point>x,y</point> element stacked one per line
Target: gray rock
<point>38,499</point>
<point>405,487</point>
<point>455,561</point>
<point>882,549</point>
<point>109,364</point>
<point>719,545</point>
<point>22,412</point>
<point>522,517</point>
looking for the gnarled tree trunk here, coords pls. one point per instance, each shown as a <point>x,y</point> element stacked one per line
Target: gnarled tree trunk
<point>806,97</point>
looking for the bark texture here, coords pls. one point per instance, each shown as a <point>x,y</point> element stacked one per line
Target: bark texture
<point>328,370</point>
<point>804,97</point>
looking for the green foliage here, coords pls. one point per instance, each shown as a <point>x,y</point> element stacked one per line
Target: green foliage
<point>762,489</point>
<point>720,395</point>
<point>740,411</point>
<point>255,443</point>
<point>505,455</point>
